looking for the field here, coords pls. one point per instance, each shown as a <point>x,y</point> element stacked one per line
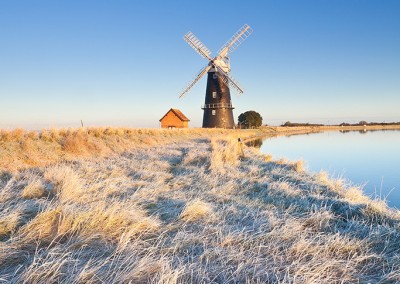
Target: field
<point>112,205</point>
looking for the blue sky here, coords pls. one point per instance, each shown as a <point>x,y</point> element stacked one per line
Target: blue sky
<point>123,63</point>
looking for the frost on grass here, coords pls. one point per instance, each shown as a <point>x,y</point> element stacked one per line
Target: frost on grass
<point>224,153</point>
<point>196,209</point>
<point>35,189</point>
<point>108,222</point>
<point>190,212</point>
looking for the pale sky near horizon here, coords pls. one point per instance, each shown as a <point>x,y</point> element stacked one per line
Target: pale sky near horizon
<point>123,63</point>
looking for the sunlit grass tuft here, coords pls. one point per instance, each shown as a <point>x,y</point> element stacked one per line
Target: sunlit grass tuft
<point>196,209</point>
<point>109,222</point>
<point>34,189</point>
<point>299,166</point>
<point>225,153</point>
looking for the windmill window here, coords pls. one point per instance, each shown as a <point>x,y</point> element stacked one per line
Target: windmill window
<point>215,76</point>
<point>213,112</point>
<point>214,94</point>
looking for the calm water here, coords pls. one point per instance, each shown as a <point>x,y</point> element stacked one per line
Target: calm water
<point>371,158</point>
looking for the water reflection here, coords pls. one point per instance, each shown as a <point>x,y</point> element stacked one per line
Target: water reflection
<point>366,130</point>
<point>256,143</point>
<point>362,131</point>
<point>364,157</point>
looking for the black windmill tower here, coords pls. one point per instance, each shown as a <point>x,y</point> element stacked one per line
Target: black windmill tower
<point>218,104</point>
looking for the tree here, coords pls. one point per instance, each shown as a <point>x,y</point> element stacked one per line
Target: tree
<point>250,119</point>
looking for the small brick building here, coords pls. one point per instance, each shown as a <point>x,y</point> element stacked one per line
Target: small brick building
<point>174,118</point>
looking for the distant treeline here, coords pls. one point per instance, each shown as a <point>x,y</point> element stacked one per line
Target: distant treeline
<point>368,123</point>
<point>293,124</point>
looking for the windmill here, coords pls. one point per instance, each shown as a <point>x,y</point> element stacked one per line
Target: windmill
<point>218,105</point>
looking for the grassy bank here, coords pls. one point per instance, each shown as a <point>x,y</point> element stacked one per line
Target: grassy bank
<point>185,208</point>
<point>21,149</point>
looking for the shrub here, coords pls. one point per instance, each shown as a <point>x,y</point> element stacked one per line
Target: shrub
<point>250,119</point>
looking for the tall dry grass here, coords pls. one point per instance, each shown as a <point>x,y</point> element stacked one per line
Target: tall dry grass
<point>196,209</point>
<point>191,212</point>
<point>225,153</point>
<point>23,149</point>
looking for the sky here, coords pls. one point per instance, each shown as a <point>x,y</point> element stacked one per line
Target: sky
<point>123,63</point>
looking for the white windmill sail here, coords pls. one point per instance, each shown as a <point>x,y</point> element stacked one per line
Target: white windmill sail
<point>201,73</point>
<point>219,64</point>
<point>236,40</point>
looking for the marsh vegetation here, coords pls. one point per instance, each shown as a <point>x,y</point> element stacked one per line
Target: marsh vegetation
<point>185,208</point>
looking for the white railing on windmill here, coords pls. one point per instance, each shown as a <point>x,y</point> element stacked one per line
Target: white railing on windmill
<point>221,61</point>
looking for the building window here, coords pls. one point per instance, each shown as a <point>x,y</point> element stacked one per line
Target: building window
<point>213,112</point>
<point>214,95</point>
<point>215,76</point>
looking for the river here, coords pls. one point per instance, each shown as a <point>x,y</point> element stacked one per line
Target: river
<point>367,158</point>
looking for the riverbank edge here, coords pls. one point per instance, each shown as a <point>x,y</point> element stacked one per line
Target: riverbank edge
<point>274,131</point>
<point>22,149</point>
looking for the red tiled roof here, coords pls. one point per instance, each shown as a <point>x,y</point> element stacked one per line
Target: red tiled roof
<point>178,113</point>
